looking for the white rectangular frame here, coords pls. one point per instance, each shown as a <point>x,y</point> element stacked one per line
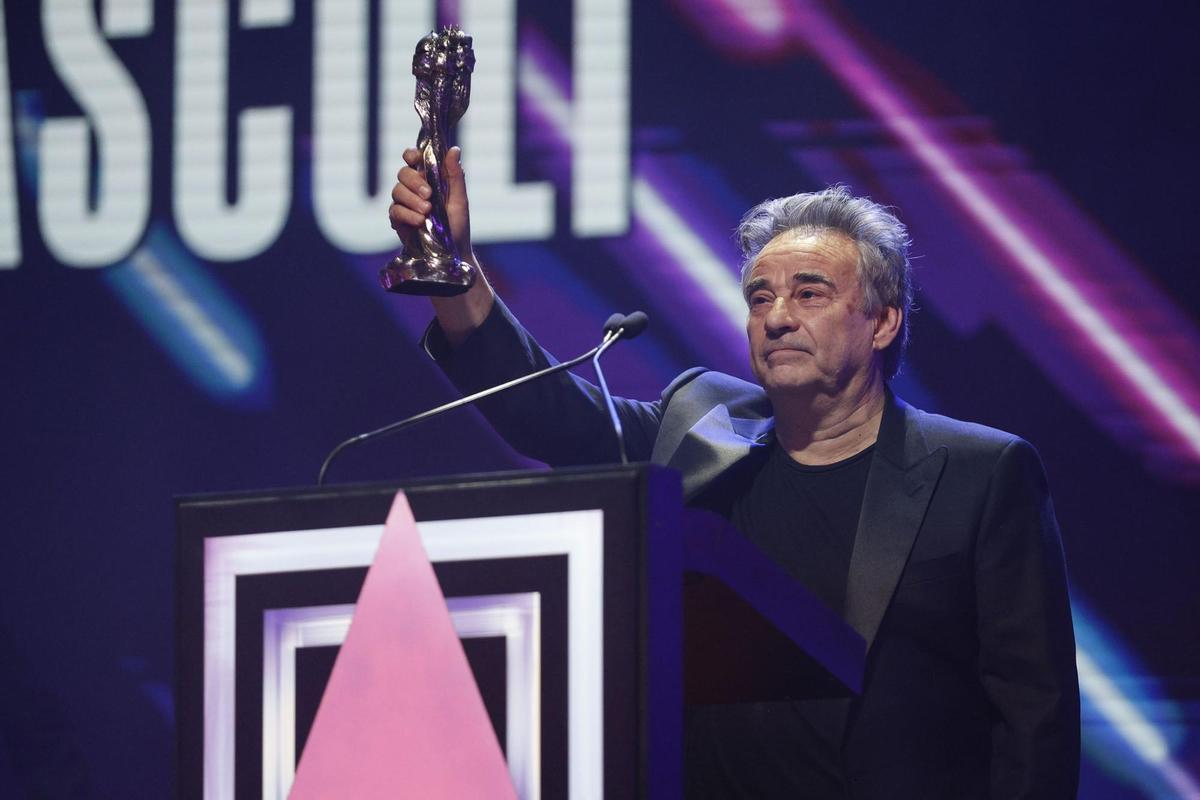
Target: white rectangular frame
<point>514,617</point>
<point>578,535</point>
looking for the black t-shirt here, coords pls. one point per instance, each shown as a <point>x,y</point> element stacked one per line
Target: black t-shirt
<point>805,519</point>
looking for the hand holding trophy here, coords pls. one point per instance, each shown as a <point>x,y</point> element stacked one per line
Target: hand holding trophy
<point>430,262</point>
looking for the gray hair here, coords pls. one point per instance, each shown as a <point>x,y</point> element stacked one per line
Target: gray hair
<point>882,240</point>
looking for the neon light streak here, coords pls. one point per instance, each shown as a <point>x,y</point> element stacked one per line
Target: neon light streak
<point>649,208</point>
<point>696,259</point>
<point>1121,714</point>
<point>222,353</point>
<point>191,317</point>
<point>1138,732</point>
<point>852,67</point>
<point>763,16</point>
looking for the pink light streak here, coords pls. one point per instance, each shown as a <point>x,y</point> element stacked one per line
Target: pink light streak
<point>1133,363</point>
<point>660,226</point>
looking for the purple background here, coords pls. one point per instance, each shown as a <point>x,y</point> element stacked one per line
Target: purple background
<point>1072,130</point>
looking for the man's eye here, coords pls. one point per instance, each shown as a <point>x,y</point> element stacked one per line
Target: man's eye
<point>759,299</point>
<point>807,294</point>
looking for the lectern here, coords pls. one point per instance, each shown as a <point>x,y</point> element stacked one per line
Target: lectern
<point>578,594</point>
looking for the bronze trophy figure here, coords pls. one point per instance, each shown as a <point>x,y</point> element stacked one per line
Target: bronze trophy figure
<point>429,263</point>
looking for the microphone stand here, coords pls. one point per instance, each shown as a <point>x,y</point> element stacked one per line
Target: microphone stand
<point>608,400</point>
<point>610,337</point>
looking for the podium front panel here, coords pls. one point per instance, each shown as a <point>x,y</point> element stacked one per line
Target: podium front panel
<point>550,578</point>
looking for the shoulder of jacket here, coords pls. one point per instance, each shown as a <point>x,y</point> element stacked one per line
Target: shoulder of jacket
<point>698,382</point>
<point>967,438</point>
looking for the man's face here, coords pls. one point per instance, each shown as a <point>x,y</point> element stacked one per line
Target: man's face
<point>807,328</point>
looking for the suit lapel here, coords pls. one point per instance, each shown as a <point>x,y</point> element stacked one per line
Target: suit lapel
<point>904,473</point>
<point>903,476</point>
<point>714,444</point>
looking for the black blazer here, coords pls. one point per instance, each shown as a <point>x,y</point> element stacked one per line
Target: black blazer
<point>956,581</point>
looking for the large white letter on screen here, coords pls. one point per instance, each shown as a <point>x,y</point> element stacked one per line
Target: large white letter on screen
<point>10,232</point>
<point>77,232</point>
<point>600,119</point>
<point>351,217</point>
<point>212,226</point>
<point>500,208</point>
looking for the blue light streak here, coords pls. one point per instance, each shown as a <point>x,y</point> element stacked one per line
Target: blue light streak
<point>193,319</point>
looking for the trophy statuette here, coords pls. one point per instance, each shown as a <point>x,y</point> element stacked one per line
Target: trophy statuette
<point>429,262</point>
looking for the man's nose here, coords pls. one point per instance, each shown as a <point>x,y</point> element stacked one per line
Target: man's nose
<point>780,319</point>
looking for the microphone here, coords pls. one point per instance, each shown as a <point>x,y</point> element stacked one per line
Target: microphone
<point>627,327</point>
<point>634,324</point>
<point>618,326</point>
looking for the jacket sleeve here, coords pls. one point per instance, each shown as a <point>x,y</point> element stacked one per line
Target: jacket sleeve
<point>1027,643</point>
<point>560,419</point>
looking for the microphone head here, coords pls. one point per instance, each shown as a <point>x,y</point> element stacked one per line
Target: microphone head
<point>634,324</point>
<point>614,322</point>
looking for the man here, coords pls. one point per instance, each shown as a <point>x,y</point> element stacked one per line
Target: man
<point>935,539</point>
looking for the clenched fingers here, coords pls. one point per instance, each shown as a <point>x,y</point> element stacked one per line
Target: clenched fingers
<point>414,180</point>
<point>401,217</point>
<point>412,195</point>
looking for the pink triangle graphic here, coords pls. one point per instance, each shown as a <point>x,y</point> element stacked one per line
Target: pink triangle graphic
<point>401,715</point>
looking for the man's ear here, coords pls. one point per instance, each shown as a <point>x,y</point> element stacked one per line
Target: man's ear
<point>887,327</point>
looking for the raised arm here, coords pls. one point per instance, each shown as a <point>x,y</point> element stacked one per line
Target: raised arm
<point>562,419</point>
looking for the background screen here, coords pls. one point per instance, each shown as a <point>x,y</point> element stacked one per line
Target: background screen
<point>193,201</point>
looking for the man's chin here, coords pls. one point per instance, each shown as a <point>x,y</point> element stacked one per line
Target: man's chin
<point>787,382</point>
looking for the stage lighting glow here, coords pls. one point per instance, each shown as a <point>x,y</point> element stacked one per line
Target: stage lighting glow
<point>650,209</point>
<point>690,252</point>
<point>1123,715</point>
<point>763,16</point>
<point>190,316</point>
<point>1116,692</point>
<point>1125,353</point>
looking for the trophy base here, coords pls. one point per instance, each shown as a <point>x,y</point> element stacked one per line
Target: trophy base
<point>410,276</point>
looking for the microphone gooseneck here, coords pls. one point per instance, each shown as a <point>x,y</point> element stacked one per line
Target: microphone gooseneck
<point>618,326</point>
<point>626,327</point>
